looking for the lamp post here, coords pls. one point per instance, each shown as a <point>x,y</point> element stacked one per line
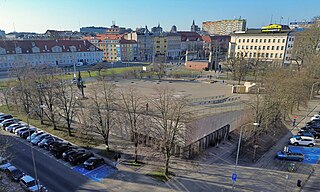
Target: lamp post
<point>238,151</point>
<point>311,94</point>
<point>32,154</point>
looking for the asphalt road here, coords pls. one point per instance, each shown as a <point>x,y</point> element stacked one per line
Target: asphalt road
<point>54,175</point>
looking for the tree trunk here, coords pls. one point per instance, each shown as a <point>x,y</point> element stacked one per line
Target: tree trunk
<point>136,152</point>
<point>69,127</point>
<point>166,171</point>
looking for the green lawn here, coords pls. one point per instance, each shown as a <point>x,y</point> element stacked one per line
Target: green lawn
<point>159,175</point>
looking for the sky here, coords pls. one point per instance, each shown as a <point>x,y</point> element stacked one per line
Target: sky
<point>40,15</point>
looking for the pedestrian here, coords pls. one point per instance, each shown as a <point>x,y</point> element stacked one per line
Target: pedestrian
<point>294,122</point>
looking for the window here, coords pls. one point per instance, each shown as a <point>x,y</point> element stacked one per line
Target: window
<point>277,48</point>
<point>268,47</point>
<point>271,55</point>
<point>280,55</point>
<point>278,40</point>
<point>282,47</point>
<point>251,40</point>
<point>272,48</point>
<point>256,40</point>
<point>254,54</point>
<point>262,54</point>
<point>267,55</point>
<point>250,54</point>
<point>264,40</point>
<point>274,40</point>
<point>283,40</point>
<point>247,47</point>
<point>248,40</point>
<point>255,47</point>
<point>251,47</point>
<point>242,47</point>
<point>238,46</point>
<point>243,40</point>
<point>259,48</point>
<point>264,47</point>
<point>260,40</point>
<point>239,40</point>
<point>269,40</point>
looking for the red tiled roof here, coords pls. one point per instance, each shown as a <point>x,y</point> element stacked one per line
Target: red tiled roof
<point>206,38</point>
<point>45,46</point>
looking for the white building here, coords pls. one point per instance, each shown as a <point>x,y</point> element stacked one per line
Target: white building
<point>47,52</point>
<point>255,44</point>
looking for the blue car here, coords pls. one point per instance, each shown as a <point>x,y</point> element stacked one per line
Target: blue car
<point>290,156</point>
<point>4,164</point>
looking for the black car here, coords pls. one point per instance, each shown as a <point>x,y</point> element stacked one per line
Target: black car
<point>66,154</point>
<point>26,133</point>
<point>93,162</point>
<point>79,157</point>
<point>304,131</point>
<point>59,148</point>
<point>14,173</point>
<point>46,140</point>
<point>4,117</point>
<point>49,143</point>
<point>314,126</point>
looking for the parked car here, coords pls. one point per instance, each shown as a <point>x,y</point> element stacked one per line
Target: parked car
<point>302,140</point>
<point>4,117</point>
<point>59,148</point>
<point>4,164</point>
<point>29,184</point>
<point>37,139</point>
<point>14,173</point>
<point>290,156</point>
<point>66,154</point>
<point>46,140</point>
<point>34,135</point>
<point>79,157</point>
<point>305,133</point>
<point>316,116</point>
<point>315,133</point>
<point>8,122</point>
<point>10,127</point>
<point>27,133</point>
<point>49,143</point>
<point>93,162</point>
<point>18,132</point>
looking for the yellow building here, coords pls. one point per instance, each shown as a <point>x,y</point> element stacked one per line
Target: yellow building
<point>160,45</point>
<point>224,27</point>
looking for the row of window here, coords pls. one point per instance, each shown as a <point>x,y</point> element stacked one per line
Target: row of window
<point>260,40</point>
<point>259,47</point>
<point>260,55</point>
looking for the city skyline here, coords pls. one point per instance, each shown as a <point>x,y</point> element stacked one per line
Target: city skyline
<point>38,15</point>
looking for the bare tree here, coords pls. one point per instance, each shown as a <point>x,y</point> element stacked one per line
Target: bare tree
<point>170,114</point>
<point>238,66</point>
<point>67,102</point>
<point>132,104</point>
<point>102,113</point>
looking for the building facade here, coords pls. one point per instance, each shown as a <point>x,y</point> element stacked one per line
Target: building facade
<point>224,27</point>
<point>192,42</point>
<point>47,52</point>
<point>144,39</point>
<point>128,49</point>
<point>173,46</point>
<point>258,45</point>
<point>92,29</point>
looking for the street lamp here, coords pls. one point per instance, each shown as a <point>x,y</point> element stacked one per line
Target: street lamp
<point>234,175</point>
<point>311,94</point>
<point>32,154</point>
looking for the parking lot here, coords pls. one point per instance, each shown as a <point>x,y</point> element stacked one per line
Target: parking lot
<point>312,154</point>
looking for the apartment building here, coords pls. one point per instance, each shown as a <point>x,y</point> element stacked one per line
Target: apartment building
<point>17,53</point>
<point>224,27</point>
<point>268,46</point>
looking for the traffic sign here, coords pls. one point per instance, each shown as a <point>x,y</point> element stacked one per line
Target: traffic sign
<point>234,176</point>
